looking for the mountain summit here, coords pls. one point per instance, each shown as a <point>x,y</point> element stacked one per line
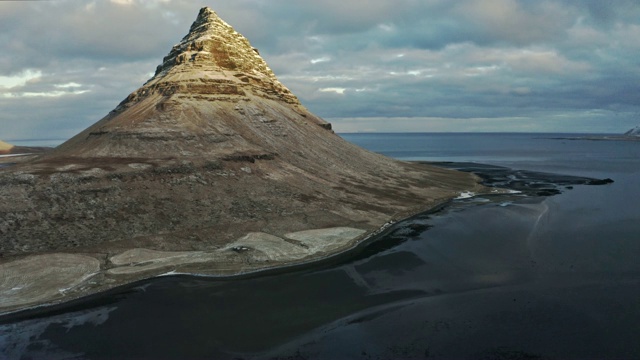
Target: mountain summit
<point>212,161</point>
<point>213,45</point>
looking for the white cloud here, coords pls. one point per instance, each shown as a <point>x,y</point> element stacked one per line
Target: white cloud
<point>336,90</point>
<point>68,85</point>
<point>55,93</point>
<point>19,80</point>
<point>122,2</point>
<point>320,60</point>
<point>317,78</point>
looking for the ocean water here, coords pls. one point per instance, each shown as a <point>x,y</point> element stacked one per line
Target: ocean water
<point>509,277</point>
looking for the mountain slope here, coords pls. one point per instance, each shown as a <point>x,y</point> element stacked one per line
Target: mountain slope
<point>213,141</point>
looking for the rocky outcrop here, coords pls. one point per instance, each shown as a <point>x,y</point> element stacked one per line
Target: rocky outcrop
<point>211,149</point>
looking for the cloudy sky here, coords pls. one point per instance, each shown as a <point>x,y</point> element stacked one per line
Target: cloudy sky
<point>365,65</point>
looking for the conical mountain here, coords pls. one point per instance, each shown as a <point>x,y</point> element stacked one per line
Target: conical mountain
<point>212,95</point>
<point>212,154</point>
<point>214,141</point>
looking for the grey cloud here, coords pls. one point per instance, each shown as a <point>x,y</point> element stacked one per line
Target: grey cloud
<point>607,13</point>
<point>421,59</point>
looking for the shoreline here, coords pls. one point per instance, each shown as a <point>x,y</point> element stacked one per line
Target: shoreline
<point>138,265</point>
<point>351,248</point>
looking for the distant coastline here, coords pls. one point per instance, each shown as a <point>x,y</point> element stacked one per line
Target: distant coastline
<point>549,135</point>
<point>600,138</point>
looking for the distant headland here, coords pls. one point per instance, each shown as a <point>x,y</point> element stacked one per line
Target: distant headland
<point>631,135</point>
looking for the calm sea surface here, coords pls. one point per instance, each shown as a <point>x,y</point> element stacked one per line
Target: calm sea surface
<point>510,277</point>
